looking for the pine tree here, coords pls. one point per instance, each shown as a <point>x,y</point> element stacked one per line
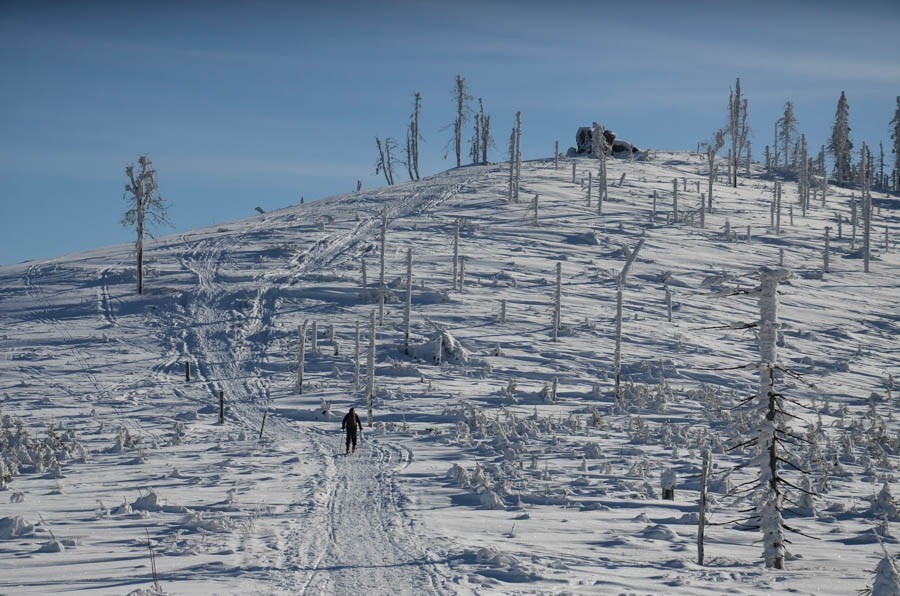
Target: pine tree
<point>787,126</point>
<point>840,145</point>
<point>895,136</point>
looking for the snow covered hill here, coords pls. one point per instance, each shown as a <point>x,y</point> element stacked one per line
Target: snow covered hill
<point>507,467</point>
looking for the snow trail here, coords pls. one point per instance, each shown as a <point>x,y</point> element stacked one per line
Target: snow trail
<point>362,541</point>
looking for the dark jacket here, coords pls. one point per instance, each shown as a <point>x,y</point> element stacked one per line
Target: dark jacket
<point>351,422</point>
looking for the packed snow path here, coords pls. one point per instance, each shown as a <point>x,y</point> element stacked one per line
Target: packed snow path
<point>358,540</point>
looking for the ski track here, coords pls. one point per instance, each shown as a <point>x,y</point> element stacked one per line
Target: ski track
<point>362,541</point>
<point>348,532</point>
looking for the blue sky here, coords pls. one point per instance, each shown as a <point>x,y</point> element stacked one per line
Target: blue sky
<point>242,104</point>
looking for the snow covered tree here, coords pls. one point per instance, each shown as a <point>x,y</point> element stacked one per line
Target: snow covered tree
<point>895,136</point>
<point>515,159</point>
<point>787,127</point>
<point>737,128</point>
<point>866,183</point>
<point>143,200</point>
<point>839,145</point>
<point>600,149</point>
<point>802,168</point>
<point>887,578</point>
<point>772,429</point>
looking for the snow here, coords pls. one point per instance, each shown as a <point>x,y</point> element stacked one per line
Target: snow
<point>475,476</point>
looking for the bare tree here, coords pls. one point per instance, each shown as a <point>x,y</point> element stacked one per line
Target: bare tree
<point>413,137</point>
<point>462,98</point>
<point>385,158</point>
<point>895,136</point>
<point>712,148</point>
<point>737,128</point>
<point>481,139</point>
<point>486,139</point>
<point>512,164</point>
<point>142,197</point>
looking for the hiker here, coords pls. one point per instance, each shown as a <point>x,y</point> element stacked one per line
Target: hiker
<point>350,423</point>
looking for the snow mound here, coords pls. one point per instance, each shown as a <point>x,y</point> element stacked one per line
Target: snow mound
<point>491,500</point>
<point>444,346</point>
<point>195,521</point>
<point>148,502</point>
<point>13,527</point>
<point>502,566</point>
<point>459,475</point>
<point>658,532</point>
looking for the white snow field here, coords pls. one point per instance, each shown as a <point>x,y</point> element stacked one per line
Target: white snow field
<point>473,478</point>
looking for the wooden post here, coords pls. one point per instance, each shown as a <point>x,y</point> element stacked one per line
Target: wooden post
<point>674,200</point>
<point>573,172</point>
<point>221,407</point>
<point>503,310</point>
<point>356,360</point>
<point>669,303</point>
<point>456,255</point>
<point>781,257</point>
<point>748,234</point>
<point>381,309</point>
<point>262,427</point>
<point>778,208</point>
<point>556,157</point>
<point>704,478</point>
<point>187,372</point>
<point>556,302</point>
<point>618,352</point>
<point>302,358</point>
<point>590,184</point>
<point>370,372</point>
<point>655,196</point>
<point>462,275</point>
<point>702,210</point>
<point>408,309</point>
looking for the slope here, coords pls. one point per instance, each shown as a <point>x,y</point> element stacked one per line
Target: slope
<point>547,494</point>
